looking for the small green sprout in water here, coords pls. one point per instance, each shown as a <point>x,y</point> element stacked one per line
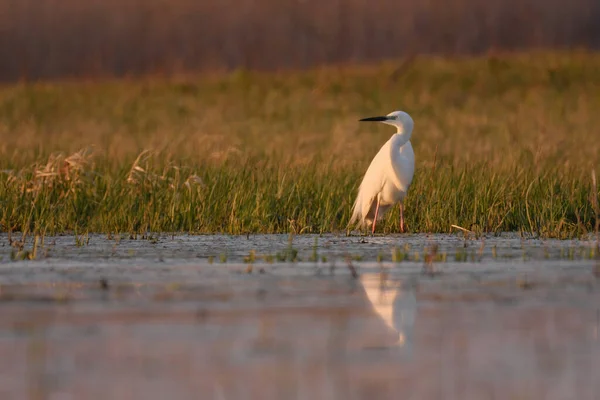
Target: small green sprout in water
<point>494,252</point>
<point>431,256</point>
<point>211,259</point>
<point>251,257</point>
<point>82,240</point>
<point>28,255</point>
<point>35,247</point>
<point>460,255</point>
<point>293,255</point>
<point>323,259</point>
<point>223,258</point>
<point>269,258</point>
<point>315,256</point>
<point>21,255</point>
<point>289,254</point>
<point>397,255</point>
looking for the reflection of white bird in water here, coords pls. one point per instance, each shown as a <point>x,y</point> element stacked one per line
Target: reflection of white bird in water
<point>389,176</point>
<point>395,306</point>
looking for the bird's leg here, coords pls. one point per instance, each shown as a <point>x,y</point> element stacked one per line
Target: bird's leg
<point>375,219</point>
<point>401,217</point>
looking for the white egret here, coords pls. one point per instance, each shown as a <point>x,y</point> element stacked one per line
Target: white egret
<point>389,176</point>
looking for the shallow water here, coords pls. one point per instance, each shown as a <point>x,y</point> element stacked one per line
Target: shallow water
<point>189,316</point>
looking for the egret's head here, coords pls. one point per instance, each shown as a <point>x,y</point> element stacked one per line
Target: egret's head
<point>399,119</point>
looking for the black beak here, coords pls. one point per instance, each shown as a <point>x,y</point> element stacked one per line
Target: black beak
<point>376,119</point>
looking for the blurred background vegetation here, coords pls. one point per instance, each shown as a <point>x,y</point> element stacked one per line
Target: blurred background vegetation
<point>65,38</point>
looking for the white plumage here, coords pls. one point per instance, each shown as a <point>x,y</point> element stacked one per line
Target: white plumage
<point>389,176</point>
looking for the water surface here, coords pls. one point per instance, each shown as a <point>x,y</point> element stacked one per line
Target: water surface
<point>231,317</point>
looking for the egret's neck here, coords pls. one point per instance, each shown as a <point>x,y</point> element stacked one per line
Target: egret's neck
<point>402,135</point>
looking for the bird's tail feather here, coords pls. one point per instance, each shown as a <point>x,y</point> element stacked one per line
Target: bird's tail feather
<point>358,218</point>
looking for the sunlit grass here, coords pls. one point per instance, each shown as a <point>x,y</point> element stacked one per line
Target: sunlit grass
<point>504,143</point>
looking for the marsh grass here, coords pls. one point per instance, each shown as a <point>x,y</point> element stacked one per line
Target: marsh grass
<point>503,143</point>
